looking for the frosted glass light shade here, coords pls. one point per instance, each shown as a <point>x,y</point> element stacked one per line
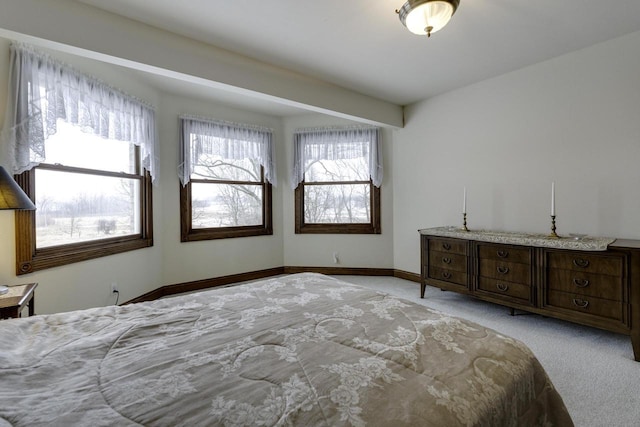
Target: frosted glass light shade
<point>427,16</point>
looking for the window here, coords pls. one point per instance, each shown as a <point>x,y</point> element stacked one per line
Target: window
<point>336,176</point>
<point>84,153</point>
<point>226,172</point>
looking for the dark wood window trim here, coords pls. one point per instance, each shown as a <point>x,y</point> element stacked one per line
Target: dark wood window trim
<point>30,259</point>
<point>190,234</point>
<point>372,227</point>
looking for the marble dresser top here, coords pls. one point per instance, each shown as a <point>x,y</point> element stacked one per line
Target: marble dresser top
<point>586,243</point>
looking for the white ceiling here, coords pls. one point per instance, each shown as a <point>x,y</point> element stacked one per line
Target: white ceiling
<point>361,44</point>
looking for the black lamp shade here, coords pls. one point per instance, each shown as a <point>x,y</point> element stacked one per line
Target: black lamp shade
<point>11,195</point>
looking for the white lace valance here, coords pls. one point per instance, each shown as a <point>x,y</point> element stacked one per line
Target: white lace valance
<point>311,145</point>
<point>43,90</point>
<point>233,141</point>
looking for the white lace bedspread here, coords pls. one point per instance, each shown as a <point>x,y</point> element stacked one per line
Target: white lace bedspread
<point>296,350</point>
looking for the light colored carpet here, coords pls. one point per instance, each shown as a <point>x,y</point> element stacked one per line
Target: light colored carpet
<point>593,370</point>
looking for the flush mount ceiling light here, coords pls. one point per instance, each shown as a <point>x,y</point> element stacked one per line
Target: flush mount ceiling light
<point>427,16</point>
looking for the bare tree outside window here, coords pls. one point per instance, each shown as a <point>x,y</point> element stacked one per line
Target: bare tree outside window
<point>337,191</point>
<point>337,194</point>
<point>227,193</point>
<point>225,197</point>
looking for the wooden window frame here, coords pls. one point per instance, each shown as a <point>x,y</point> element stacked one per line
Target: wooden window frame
<point>190,234</point>
<point>373,227</point>
<point>30,259</point>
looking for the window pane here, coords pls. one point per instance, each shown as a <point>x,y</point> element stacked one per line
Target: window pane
<point>338,170</point>
<point>337,204</point>
<point>216,168</point>
<point>74,207</point>
<point>72,147</point>
<point>225,205</point>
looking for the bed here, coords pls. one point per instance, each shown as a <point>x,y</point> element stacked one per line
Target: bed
<point>303,349</point>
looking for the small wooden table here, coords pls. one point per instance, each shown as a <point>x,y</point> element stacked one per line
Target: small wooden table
<point>12,303</point>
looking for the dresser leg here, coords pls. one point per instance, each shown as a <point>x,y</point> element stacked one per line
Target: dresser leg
<point>635,342</point>
<point>423,286</point>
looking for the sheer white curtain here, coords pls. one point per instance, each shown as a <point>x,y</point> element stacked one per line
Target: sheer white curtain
<point>226,139</point>
<point>43,90</point>
<point>311,145</point>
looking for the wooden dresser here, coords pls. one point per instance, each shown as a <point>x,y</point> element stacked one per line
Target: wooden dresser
<point>596,285</point>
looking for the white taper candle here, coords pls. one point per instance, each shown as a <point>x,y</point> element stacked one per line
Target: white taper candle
<point>464,201</point>
<point>553,199</point>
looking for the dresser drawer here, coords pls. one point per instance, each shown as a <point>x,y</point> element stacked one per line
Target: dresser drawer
<point>451,276</point>
<point>448,246</point>
<point>588,284</point>
<point>504,288</point>
<point>448,261</point>
<point>587,305</point>
<point>509,271</point>
<point>560,279</point>
<point>587,262</point>
<point>505,253</point>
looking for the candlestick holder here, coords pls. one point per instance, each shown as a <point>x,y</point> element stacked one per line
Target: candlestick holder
<point>464,222</point>
<point>553,234</point>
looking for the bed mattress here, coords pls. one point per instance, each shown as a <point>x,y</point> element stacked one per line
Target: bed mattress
<point>302,349</point>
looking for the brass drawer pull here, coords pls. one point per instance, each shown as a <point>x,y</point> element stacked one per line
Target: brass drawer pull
<point>581,283</point>
<point>582,263</point>
<point>446,275</point>
<point>580,303</point>
<point>446,246</point>
<point>502,254</point>
<point>502,287</point>
<point>503,270</point>
<point>446,260</point>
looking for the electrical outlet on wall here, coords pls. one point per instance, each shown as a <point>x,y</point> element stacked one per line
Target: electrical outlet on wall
<point>114,288</point>
<point>336,259</point>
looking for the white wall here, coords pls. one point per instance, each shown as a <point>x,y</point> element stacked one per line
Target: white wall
<point>574,120</point>
<point>84,284</point>
<point>354,250</point>
<point>76,27</point>
<point>184,262</point>
<point>87,284</point>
